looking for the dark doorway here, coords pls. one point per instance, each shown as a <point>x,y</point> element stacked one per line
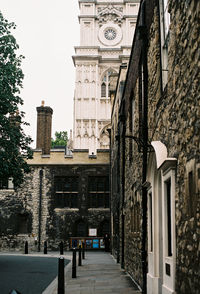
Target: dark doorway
<point>81,229</point>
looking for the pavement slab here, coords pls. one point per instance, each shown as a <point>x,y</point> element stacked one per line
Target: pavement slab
<point>99,274</point>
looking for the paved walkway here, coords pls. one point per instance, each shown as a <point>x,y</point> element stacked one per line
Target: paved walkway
<point>99,274</point>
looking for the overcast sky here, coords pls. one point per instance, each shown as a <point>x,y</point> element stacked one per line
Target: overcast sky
<point>47,31</point>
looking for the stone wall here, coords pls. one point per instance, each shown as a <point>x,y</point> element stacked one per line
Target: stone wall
<point>173,119</point>
<point>46,222</point>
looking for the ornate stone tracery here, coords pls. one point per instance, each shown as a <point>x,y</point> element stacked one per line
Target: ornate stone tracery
<point>110,13</point>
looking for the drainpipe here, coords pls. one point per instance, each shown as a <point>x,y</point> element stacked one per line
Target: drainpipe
<point>110,185</point>
<point>118,192</point>
<point>40,210</point>
<point>122,119</point>
<point>123,190</point>
<point>160,50</point>
<point>145,145</point>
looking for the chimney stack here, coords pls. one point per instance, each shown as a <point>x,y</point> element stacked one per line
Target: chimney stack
<point>44,121</point>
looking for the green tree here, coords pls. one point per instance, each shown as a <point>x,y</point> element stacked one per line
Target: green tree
<point>61,139</point>
<point>14,144</point>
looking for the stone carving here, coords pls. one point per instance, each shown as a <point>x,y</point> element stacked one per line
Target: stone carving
<point>110,13</point>
<point>104,137</point>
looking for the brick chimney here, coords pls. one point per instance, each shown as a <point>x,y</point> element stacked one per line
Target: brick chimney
<point>44,121</point>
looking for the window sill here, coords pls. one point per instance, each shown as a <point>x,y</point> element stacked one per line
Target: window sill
<point>99,208</point>
<point>64,209</point>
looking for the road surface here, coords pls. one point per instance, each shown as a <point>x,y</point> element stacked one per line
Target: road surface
<point>27,274</point>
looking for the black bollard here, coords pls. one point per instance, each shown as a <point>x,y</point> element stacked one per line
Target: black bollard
<point>26,247</point>
<point>74,263</point>
<point>79,256</point>
<point>61,248</point>
<point>14,292</point>
<point>61,277</point>
<point>83,250</point>
<point>45,247</point>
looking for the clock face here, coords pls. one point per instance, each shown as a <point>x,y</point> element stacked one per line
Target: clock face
<point>110,34</point>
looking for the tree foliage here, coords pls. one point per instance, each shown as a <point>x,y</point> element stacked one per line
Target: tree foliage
<point>61,139</point>
<point>14,144</point>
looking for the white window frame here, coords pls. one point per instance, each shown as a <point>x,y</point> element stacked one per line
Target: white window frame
<point>164,26</point>
<point>150,222</point>
<point>168,261</point>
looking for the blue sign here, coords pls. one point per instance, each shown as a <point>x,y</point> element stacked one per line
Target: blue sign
<point>95,243</point>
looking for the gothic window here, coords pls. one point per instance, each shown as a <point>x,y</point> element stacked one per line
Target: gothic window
<point>98,194</point>
<point>66,192</point>
<point>103,90</point>
<point>164,30</point>
<point>105,85</point>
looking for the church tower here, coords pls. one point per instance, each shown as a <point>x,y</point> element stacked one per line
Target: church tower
<point>106,34</point>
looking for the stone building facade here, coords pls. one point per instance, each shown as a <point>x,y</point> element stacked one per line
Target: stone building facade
<point>155,151</point>
<point>64,196</point>
<point>106,33</point>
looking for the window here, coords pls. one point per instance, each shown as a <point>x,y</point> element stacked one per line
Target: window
<point>150,221</point>
<point>135,214</point>
<point>191,184</point>
<point>66,192</point>
<point>166,19</point>
<point>164,27</point>
<point>103,90</point>
<point>105,85</point>
<point>23,224</point>
<point>98,194</point>
<point>6,184</point>
<point>168,216</point>
<point>169,212</point>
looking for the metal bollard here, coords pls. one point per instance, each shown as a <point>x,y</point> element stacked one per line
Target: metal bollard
<point>26,247</point>
<point>79,256</point>
<point>74,263</point>
<point>83,250</point>
<point>45,247</point>
<point>61,248</point>
<point>61,277</point>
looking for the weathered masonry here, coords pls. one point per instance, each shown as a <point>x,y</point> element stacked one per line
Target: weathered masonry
<point>66,194</point>
<point>155,163</point>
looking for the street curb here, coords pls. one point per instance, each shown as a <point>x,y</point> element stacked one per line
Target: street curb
<point>52,287</point>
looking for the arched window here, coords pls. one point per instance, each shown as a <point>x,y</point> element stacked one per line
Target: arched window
<point>103,90</point>
<point>105,86</point>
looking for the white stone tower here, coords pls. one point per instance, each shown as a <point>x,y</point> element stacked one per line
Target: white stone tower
<point>106,34</point>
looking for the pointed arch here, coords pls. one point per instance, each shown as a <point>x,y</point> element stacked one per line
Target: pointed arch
<point>105,82</point>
